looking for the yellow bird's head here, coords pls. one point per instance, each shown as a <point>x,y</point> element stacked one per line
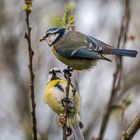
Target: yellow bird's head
<point>55,73</point>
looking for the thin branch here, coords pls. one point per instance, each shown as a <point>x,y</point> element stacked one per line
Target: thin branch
<point>68,20</point>
<point>118,73</point>
<point>67,76</point>
<point>132,129</point>
<point>27,9</point>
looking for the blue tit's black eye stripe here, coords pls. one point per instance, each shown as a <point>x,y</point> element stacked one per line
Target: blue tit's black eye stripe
<point>54,31</point>
<point>58,71</point>
<point>47,34</point>
<point>54,71</point>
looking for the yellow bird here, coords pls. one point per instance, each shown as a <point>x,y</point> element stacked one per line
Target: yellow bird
<point>55,96</point>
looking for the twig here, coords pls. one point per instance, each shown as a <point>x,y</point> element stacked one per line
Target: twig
<point>27,9</point>
<point>118,73</point>
<point>132,129</point>
<point>67,76</point>
<point>68,21</point>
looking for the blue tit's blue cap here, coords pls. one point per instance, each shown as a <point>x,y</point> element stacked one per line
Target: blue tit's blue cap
<point>54,30</point>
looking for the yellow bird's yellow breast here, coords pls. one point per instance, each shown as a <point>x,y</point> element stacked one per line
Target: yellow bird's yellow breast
<point>52,95</point>
<point>55,91</point>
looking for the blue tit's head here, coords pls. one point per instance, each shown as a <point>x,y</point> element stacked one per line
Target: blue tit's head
<point>55,73</point>
<point>53,35</point>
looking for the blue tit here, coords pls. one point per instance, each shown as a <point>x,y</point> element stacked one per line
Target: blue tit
<point>80,51</point>
<point>55,92</point>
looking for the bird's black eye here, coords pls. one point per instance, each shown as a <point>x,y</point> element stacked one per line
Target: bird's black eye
<point>55,33</point>
<point>54,71</point>
<point>58,71</point>
<point>50,72</point>
<point>47,34</point>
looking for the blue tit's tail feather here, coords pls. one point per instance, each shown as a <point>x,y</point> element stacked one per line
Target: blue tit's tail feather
<point>77,133</point>
<point>123,52</point>
<point>73,122</point>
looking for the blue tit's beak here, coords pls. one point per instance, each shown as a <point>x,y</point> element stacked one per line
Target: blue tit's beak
<point>44,37</point>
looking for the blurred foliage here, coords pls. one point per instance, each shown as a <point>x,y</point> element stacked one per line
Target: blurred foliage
<point>67,20</point>
<point>125,103</point>
<point>28,6</point>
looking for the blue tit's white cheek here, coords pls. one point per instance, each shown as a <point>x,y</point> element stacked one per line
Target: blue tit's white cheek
<point>49,40</point>
<point>53,38</point>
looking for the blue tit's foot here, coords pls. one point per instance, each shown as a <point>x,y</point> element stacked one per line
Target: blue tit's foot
<point>69,131</point>
<point>81,125</point>
<point>68,71</point>
<point>69,103</point>
<point>61,121</point>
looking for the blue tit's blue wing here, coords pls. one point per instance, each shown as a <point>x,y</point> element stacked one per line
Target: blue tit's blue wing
<point>74,40</point>
<point>75,45</point>
<point>99,46</point>
<point>81,53</point>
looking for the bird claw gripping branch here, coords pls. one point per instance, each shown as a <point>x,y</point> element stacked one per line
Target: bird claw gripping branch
<point>68,71</point>
<point>69,103</point>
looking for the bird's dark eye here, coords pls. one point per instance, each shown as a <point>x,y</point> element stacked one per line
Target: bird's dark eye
<point>58,71</point>
<point>47,34</point>
<point>54,33</point>
<point>54,71</point>
<point>50,72</point>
